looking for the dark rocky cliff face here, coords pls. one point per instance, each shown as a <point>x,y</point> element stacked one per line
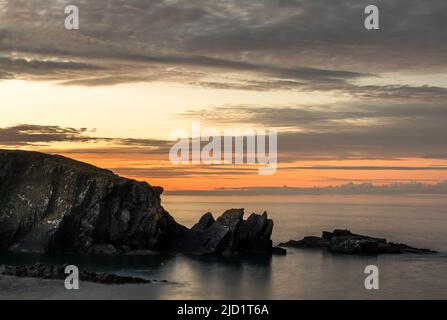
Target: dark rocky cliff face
<point>54,204</point>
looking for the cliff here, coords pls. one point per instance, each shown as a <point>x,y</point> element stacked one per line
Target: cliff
<point>55,204</point>
<point>52,204</point>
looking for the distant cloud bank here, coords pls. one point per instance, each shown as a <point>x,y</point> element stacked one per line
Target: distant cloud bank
<point>345,189</point>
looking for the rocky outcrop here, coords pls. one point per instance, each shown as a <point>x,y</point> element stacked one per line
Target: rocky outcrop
<point>231,234</point>
<point>52,204</point>
<point>346,242</point>
<point>204,223</point>
<point>58,273</point>
<point>307,242</point>
<point>58,205</point>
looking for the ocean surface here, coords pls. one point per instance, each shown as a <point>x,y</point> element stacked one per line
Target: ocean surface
<point>419,221</point>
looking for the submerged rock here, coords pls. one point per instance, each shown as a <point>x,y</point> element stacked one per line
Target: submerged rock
<point>346,242</point>
<point>52,204</point>
<point>58,273</point>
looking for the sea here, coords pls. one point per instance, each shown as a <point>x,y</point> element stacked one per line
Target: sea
<point>417,220</point>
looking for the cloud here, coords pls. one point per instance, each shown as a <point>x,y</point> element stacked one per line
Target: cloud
<point>146,68</point>
<point>368,168</point>
<point>393,92</point>
<point>249,45</point>
<point>43,135</point>
<point>332,33</point>
<point>373,130</point>
<point>26,134</point>
<point>223,172</point>
<point>343,131</point>
<point>19,68</point>
<point>171,171</point>
<point>348,189</point>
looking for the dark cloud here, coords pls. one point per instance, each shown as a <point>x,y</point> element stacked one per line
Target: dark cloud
<point>42,66</point>
<point>349,131</point>
<point>48,69</point>
<point>392,92</point>
<point>290,44</point>
<point>25,134</point>
<point>332,33</point>
<point>371,142</point>
<point>318,117</point>
<point>42,135</point>
<point>209,172</point>
<point>146,68</point>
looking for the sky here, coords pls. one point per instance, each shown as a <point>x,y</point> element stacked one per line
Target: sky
<point>350,105</point>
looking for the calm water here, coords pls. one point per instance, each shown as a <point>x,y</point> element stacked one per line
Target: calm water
<point>302,274</point>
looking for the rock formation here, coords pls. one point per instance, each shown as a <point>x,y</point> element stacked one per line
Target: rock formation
<point>231,234</point>
<point>52,204</point>
<point>346,242</point>
<point>38,270</point>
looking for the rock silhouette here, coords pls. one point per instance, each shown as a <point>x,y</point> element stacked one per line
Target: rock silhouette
<point>346,242</point>
<point>230,234</point>
<point>39,270</point>
<point>53,204</point>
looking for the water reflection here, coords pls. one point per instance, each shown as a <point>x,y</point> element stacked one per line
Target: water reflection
<point>194,276</point>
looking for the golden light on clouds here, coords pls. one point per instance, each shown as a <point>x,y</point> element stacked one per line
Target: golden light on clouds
<point>349,104</point>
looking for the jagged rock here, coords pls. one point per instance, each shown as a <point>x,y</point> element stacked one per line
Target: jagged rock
<point>231,220</point>
<point>253,227</point>
<point>230,234</point>
<point>52,204</point>
<point>205,221</point>
<point>58,273</point>
<point>353,245</point>
<point>256,232</point>
<point>346,242</point>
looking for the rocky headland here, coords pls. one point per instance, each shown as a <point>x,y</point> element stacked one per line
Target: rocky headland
<point>56,205</point>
